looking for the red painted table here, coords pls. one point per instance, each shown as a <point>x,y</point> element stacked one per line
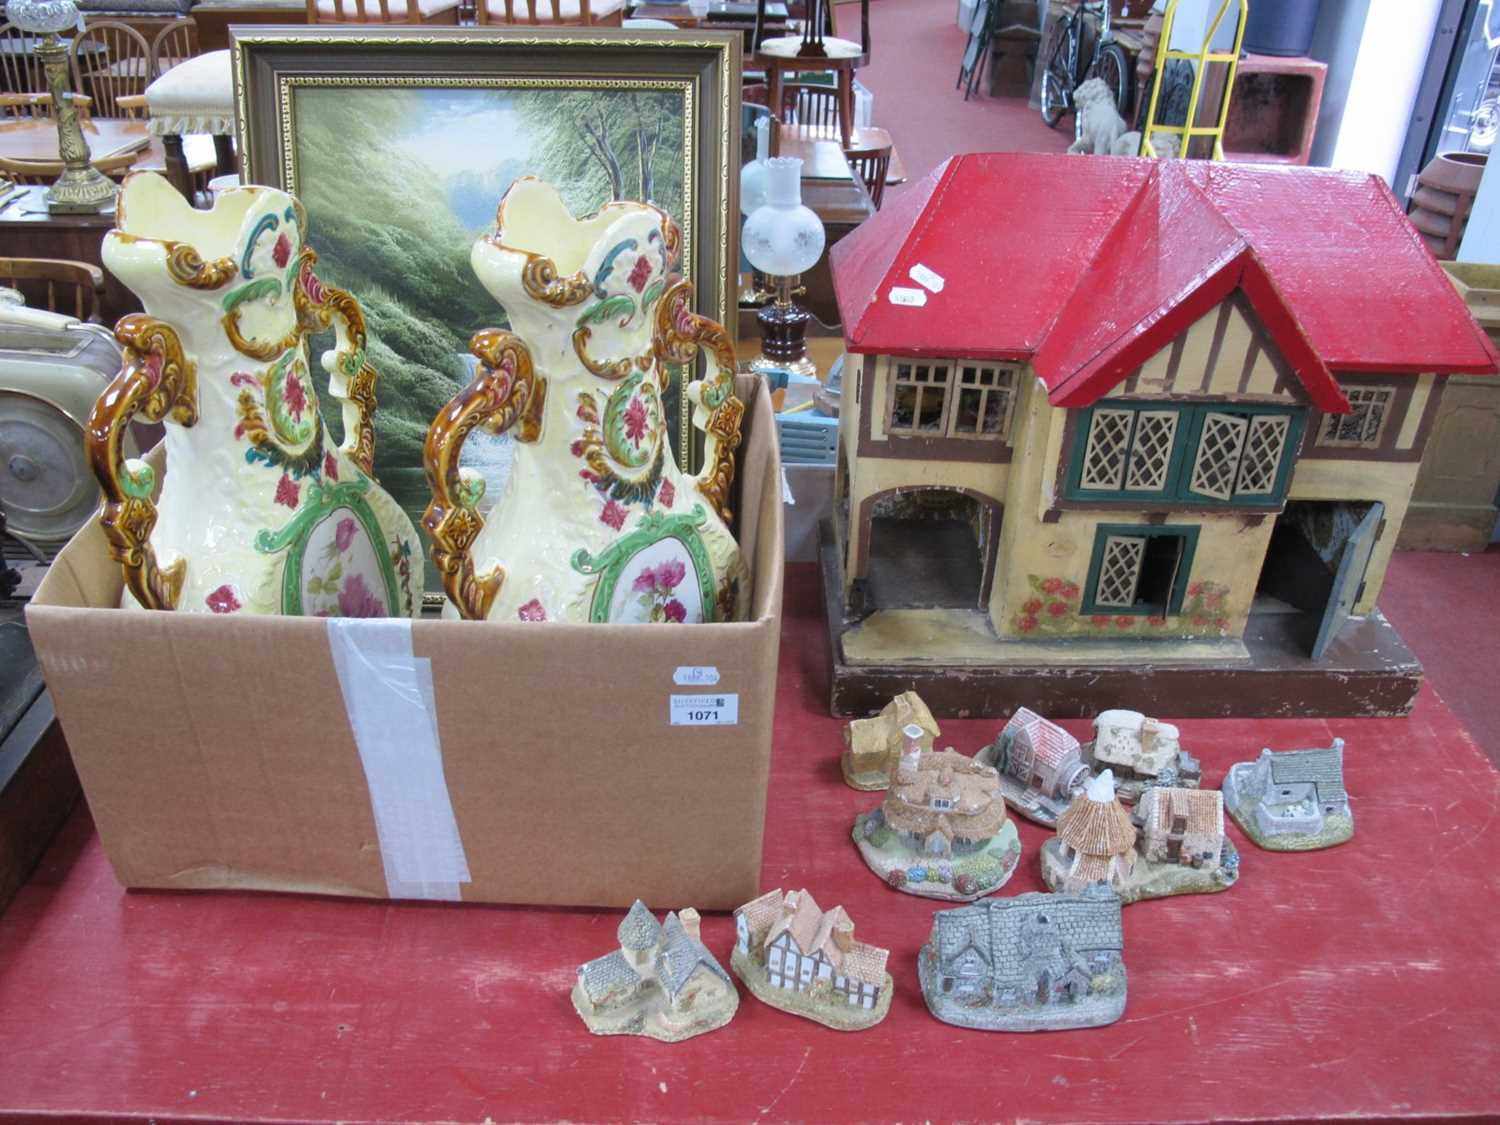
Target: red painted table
<point>1358,982</point>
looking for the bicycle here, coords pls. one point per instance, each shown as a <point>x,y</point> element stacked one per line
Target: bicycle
<point>1064,71</point>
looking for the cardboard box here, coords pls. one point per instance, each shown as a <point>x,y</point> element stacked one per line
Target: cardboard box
<point>217,751</point>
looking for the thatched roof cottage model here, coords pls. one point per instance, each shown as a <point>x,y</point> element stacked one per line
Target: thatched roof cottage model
<point>1095,838</point>
<point>941,831</point>
<point>662,982</point>
<point>1148,427</point>
<point>1293,800</point>
<point>1175,844</point>
<point>1034,962</point>
<point>804,960</point>
<point>1141,751</point>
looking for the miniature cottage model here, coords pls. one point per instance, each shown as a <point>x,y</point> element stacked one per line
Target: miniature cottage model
<point>1182,826</point>
<point>1177,845</point>
<point>662,982</point>
<point>1141,752</point>
<point>1041,766</point>
<point>1131,402</point>
<point>873,746</point>
<point>1095,839</point>
<point>804,960</point>
<point>1035,962</point>
<point>942,831</point>
<point>1293,800</point>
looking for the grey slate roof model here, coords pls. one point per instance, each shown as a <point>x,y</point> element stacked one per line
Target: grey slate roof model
<point>1322,767</point>
<point>603,974</point>
<point>1089,922</point>
<point>638,929</point>
<point>680,954</point>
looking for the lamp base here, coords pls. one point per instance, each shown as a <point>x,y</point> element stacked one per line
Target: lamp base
<point>783,327</point>
<point>81,191</point>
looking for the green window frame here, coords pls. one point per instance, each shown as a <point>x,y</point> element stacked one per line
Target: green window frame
<point>1212,454</point>
<point>1112,562</point>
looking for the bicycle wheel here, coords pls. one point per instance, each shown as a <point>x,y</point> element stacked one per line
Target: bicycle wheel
<point>1057,78</point>
<point>1112,66</point>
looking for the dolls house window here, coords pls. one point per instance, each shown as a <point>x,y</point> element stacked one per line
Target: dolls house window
<point>1139,570</point>
<point>1364,426</point>
<point>919,399</point>
<point>1198,454</point>
<point>951,399</point>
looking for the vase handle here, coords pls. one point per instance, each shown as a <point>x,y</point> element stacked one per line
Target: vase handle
<point>351,379</point>
<point>680,333</point>
<point>156,380</point>
<point>504,392</point>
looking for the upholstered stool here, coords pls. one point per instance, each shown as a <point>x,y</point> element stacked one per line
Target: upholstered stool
<point>195,96</point>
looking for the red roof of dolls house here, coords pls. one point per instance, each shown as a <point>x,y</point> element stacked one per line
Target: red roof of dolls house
<point>1088,267</point>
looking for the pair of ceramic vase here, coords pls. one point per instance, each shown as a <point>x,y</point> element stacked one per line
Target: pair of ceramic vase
<point>260,511</point>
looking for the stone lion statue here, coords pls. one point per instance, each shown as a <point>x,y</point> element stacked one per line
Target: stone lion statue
<point>1099,122</point>
<point>1165,145</point>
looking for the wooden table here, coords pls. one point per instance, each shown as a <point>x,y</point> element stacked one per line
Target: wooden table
<point>823,156</point>
<point>1357,983</point>
<point>35,138</point>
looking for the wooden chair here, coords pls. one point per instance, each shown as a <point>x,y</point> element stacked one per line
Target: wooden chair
<point>17,106</point>
<point>810,103</point>
<point>175,43</point>
<point>44,282</point>
<point>383,11</point>
<point>120,69</point>
<point>132,106</point>
<point>552,13</point>
<point>871,165</point>
<point>45,172</point>
<point>21,72</point>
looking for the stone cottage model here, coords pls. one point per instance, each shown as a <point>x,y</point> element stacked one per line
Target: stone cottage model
<point>1041,766</point>
<point>1131,405</point>
<point>873,746</point>
<point>941,831</point>
<point>1035,962</point>
<point>1141,752</point>
<point>662,982</point>
<point>804,960</point>
<point>1292,801</point>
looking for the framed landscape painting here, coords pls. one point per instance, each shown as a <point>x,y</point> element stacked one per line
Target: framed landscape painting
<point>401,141</point>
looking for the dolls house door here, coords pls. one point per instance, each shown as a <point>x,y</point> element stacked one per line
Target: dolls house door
<point>1314,569</point>
<point>1349,578</point>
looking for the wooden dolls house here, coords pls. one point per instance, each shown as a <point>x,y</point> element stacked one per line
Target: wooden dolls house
<point>1123,432</point>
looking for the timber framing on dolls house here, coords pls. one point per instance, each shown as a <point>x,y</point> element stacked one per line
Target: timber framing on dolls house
<point>1132,433</point>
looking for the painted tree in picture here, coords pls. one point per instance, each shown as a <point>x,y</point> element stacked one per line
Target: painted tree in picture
<point>398,183</point>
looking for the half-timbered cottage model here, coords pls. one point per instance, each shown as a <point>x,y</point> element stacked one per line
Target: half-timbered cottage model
<point>1101,402</point>
<point>1041,766</point>
<point>797,957</point>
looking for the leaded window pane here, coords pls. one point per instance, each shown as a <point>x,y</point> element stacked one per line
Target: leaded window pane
<point>1104,455</point>
<point>1261,460</point>
<point>1119,571</point>
<point>1151,451</point>
<point>1218,460</point>
<point>1364,426</point>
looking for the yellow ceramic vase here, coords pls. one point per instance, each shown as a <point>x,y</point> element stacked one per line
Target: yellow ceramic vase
<point>595,521</point>
<point>259,512</point>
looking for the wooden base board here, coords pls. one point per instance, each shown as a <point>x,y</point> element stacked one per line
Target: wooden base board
<point>1368,671</point>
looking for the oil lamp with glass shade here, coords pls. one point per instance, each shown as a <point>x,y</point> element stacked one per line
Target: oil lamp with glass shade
<point>782,238</point>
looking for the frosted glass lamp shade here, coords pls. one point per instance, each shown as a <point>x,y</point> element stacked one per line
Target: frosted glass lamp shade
<point>783,238</point>
<point>753,176</point>
<point>42,17</point>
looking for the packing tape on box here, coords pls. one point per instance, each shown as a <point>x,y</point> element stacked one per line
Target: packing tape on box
<point>392,711</point>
